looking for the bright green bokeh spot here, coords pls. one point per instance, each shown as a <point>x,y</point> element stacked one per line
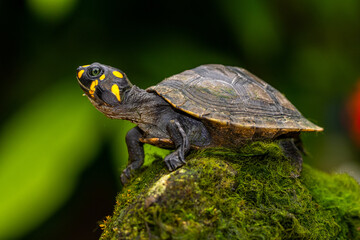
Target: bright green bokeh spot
<point>43,149</point>
<point>52,10</point>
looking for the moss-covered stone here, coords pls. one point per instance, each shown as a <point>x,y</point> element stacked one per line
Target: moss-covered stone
<point>245,194</point>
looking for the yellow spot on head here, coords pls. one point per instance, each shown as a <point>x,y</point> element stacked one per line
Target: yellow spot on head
<point>85,66</point>
<point>80,73</point>
<point>92,87</point>
<point>102,77</point>
<point>116,92</point>
<point>118,74</point>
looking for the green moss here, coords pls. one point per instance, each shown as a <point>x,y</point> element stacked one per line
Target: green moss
<point>244,194</point>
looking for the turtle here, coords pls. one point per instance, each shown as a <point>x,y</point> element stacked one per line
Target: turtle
<point>208,106</point>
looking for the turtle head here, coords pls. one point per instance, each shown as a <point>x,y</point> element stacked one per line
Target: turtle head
<point>103,84</point>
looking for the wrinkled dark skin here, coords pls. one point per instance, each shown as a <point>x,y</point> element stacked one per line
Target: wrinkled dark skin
<point>158,123</point>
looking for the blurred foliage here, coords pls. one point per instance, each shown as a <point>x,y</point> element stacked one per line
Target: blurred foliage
<point>50,135</point>
<point>255,26</point>
<point>42,149</point>
<point>353,111</point>
<point>54,10</point>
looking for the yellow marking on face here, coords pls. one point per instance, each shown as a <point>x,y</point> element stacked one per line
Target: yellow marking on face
<point>80,73</point>
<point>102,77</point>
<point>85,66</point>
<point>92,87</point>
<point>116,92</point>
<point>118,74</point>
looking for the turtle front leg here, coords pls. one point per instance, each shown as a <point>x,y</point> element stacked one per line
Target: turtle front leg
<point>178,135</point>
<point>136,153</point>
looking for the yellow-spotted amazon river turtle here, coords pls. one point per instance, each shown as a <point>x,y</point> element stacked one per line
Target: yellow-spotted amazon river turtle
<point>208,106</point>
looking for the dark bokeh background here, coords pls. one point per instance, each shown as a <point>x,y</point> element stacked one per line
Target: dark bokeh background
<point>60,159</point>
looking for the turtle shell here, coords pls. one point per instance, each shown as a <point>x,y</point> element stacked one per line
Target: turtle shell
<point>232,96</point>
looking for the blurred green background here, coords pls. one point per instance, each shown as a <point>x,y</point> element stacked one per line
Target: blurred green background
<point>60,159</point>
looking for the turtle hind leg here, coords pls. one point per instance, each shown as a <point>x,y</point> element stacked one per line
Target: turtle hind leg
<point>291,151</point>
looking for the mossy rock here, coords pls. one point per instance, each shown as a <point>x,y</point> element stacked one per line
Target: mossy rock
<point>244,194</point>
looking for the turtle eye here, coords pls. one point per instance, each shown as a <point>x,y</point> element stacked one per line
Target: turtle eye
<point>95,71</point>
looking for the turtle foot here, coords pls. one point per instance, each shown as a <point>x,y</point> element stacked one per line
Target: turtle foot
<point>173,161</point>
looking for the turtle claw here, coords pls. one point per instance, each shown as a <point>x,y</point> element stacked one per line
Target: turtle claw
<point>174,161</point>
